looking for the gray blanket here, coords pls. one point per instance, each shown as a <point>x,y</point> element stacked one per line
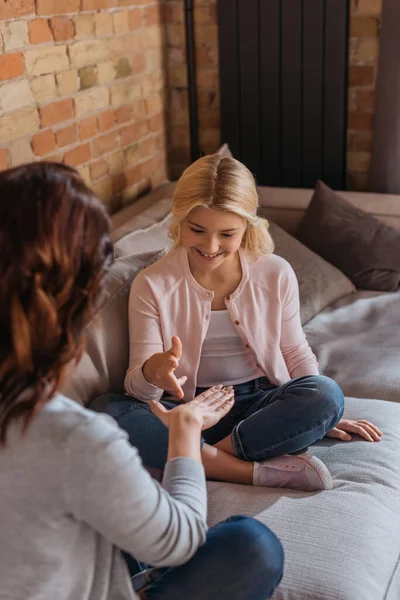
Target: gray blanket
<point>343,544</point>
<point>357,343</point>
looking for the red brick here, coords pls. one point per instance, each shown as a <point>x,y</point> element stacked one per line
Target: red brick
<point>161,142</point>
<point>88,128</point>
<point>361,121</point>
<point>106,120</point>
<point>158,178</point>
<point>133,175</point>
<point>78,155</point>
<point>57,7</point>
<point>9,9</point>
<point>63,28</point>
<point>360,141</point>
<point>156,122</point>
<point>53,158</point>
<point>124,114</point>
<point>147,147</point>
<point>98,4</point>
<point>210,120</point>
<point>206,57</point>
<point>39,31</point>
<point>66,136</point>
<point>143,128</point>
<point>132,133</point>
<point>362,27</point>
<point>3,159</point>
<point>43,142</point>
<point>119,183</point>
<point>139,109</point>
<point>11,65</point>
<point>174,13</point>
<point>138,64</point>
<point>128,134</point>
<point>105,144</point>
<point>150,166</point>
<point>131,3</point>
<point>135,18</point>
<point>57,112</point>
<point>203,15</point>
<point>98,169</point>
<point>361,76</point>
<point>365,99</point>
<point>152,15</point>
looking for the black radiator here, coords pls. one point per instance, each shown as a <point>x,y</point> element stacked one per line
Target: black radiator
<point>283,79</point>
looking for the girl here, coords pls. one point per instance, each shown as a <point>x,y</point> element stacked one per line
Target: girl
<point>73,491</point>
<point>231,308</point>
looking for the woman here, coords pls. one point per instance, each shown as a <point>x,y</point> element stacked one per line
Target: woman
<point>73,490</point>
<point>231,308</point>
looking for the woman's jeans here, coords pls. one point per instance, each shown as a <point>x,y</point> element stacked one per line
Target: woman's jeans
<point>265,421</point>
<point>241,560</point>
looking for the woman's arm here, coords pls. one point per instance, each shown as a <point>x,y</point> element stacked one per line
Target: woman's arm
<point>299,358</point>
<point>108,488</point>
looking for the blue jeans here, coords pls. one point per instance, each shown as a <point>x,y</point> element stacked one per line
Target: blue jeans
<point>241,559</point>
<point>265,421</point>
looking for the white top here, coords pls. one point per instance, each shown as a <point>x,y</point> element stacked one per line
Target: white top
<point>224,357</point>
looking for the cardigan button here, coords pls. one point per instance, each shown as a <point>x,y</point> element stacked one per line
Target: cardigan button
<point>258,366</point>
<point>237,322</point>
<point>247,345</point>
<point>228,298</point>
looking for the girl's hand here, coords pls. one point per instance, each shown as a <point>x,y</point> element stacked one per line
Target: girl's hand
<point>206,409</point>
<point>365,429</point>
<point>159,369</point>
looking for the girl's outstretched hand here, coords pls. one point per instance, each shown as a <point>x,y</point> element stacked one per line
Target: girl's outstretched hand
<point>206,409</point>
<point>159,369</point>
<point>365,429</point>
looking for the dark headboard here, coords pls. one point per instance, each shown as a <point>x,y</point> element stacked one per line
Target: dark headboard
<point>283,78</point>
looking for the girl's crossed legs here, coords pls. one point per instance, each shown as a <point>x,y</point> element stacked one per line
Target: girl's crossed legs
<point>266,421</point>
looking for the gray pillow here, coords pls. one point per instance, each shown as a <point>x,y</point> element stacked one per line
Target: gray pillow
<point>366,249</point>
<point>104,363</point>
<point>320,283</point>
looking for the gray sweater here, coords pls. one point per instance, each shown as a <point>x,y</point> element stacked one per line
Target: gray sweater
<point>73,492</point>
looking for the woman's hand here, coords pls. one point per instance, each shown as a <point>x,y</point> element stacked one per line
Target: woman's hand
<point>365,429</point>
<point>159,369</point>
<point>206,409</point>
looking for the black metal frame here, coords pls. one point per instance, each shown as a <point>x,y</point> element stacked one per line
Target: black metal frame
<point>192,86</point>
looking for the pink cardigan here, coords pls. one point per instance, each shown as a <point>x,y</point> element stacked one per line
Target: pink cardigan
<point>166,300</point>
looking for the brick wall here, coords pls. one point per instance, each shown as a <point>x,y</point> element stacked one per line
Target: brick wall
<point>364,48</point>
<point>82,81</point>
<point>363,69</point>
<point>205,16</point>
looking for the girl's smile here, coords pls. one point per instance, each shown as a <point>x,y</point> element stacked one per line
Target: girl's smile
<point>212,236</point>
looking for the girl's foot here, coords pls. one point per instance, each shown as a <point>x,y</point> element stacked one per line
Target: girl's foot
<point>301,472</point>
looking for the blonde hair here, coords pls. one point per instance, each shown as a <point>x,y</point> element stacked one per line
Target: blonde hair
<point>224,184</point>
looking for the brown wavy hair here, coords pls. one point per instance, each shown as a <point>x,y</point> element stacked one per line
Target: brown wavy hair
<point>54,253</point>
